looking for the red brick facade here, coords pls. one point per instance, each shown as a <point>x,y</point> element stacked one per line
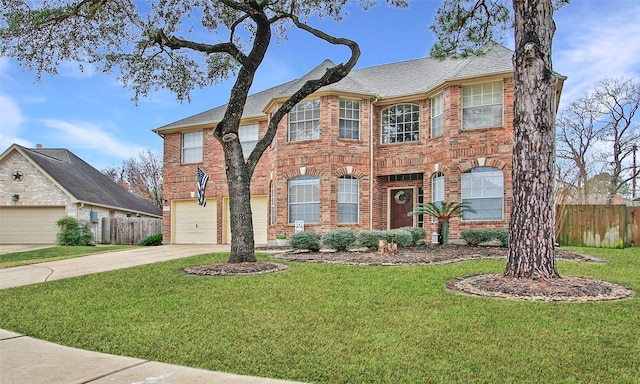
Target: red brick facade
<point>378,167</point>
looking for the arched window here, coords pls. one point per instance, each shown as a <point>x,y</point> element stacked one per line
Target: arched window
<point>348,199</point>
<point>304,199</point>
<point>483,189</point>
<point>400,124</point>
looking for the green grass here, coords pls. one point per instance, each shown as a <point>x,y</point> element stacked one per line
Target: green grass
<point>54,253</point>
<point>342,324</point>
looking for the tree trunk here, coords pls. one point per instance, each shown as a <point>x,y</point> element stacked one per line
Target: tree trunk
<point>239,185</point>
<point>532,226</point>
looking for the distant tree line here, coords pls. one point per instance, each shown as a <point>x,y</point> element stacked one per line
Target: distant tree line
<point>141,174</point>
<point>598,136</point>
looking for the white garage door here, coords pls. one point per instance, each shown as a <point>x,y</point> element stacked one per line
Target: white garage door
<point>194,224</point>
<point>260,211</point>
<point>29,225</point>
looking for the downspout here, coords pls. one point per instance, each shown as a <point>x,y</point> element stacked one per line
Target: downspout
<point>371,176</point>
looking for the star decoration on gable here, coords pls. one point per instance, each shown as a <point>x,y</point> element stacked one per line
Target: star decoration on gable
<point>17,176</point>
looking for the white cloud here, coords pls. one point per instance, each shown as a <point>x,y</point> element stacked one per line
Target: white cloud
<point>90,136</point>
<point>11,120</point>
<point>596,46</point>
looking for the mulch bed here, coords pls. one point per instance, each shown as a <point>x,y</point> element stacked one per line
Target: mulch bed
<point>572,289</point>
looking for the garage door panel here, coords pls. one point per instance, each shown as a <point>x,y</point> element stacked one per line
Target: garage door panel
<point>195,224</point>
<point>259,210</point>
<point>29,225</point>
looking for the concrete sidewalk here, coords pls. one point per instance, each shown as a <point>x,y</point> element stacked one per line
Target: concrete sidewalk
<point>27,360</point>
<point>101,262</point>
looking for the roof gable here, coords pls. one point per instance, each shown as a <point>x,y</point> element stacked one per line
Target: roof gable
<point>83,182</point>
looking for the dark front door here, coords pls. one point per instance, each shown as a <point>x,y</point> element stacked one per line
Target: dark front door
<point>401,204</point>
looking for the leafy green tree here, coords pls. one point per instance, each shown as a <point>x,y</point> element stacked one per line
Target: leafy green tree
<point>463,27</point>
<point>179,45</point>
<point>443,211</point>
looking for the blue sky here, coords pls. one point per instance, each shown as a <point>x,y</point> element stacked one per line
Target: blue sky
<point>92,115</point>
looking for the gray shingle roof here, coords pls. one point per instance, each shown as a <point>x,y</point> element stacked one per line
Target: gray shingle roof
<point>404,78</point>
<point>85,183</point>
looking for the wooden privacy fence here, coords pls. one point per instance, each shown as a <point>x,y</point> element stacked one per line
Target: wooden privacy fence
<point>604,226</point>
<point>128,230</point>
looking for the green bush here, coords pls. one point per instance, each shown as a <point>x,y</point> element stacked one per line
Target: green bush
<point>371,239</point>
<point>502,235</point>
<point>417,233</point>
<point>151,240</point>
<point>72,233</point>
<point>401,236</point>
<point>306,240</point>
<point>339,239</point>
<point>478,236</point>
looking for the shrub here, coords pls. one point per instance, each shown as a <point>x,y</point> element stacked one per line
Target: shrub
<point>417,233</point>
<point>306,240</point>
<point>151,240</point>
<point>371,239</point>
<point>72,233</point>
<point>401,236</point>
<point>502,235</point>
<point>339,239</point>
<point>478,236</point>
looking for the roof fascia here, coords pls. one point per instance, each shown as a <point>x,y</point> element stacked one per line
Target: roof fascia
<point>271,104</point>
<point>118,208</point>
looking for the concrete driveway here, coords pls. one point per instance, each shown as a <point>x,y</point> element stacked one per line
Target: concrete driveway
<point>108,261</point>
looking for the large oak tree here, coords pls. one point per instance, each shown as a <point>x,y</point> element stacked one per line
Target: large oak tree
<point>463,27</point>
<point>178,45</point>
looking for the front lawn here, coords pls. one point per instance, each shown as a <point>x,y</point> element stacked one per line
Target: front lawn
<point>328,323</point>
<point>54,253</point>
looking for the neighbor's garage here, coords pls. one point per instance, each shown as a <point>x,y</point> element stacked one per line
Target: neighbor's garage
<point>260,212</point>
<point>29,225</point>
<point>194,224</point>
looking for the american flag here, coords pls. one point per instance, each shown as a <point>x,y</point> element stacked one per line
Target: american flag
<point>202,185</point>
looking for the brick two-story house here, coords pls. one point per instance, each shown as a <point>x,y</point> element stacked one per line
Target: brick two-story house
<point>359,153</point>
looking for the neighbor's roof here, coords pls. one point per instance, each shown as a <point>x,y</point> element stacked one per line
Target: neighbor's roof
<point>386,81</point>
<point>85,183</point>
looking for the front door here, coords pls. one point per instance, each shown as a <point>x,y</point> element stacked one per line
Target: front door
<point>401,204</point>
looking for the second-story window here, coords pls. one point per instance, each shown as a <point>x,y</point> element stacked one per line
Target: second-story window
<point>400,124</point>
<point>304,121</point>
<point>437,115</point>
<point>192,147</point>
<point>349,119</point>
<point>482,105</point>
<point>248,136</point>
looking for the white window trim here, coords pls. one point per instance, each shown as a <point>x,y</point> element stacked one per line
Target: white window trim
<point>489,102</point>
<point>479,176</point>
<point>343,108</point>
<point>437,102</point>
<point>350,193</point>
<point>183,148</point>
<point>384,117</point>
<point>298,122</point>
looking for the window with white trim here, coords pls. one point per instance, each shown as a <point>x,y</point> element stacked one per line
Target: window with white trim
<point>400,124</point>
<point>248,136</point>
<point>437,190</point>
<point>304,121</point>
<point>272,203</point>
<point>483,189</point>
<point>192,147</point>
<point>349,119</point>
<point>304,199</point>
<point>348,200</point>
<point>482,105</point>
<point>437,115</point>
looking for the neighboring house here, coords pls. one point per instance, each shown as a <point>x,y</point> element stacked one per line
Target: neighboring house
<point>38,186</point>
<point>359,153</point>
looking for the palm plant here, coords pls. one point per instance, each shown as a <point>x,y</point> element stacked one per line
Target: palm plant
<point>443,211</point>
